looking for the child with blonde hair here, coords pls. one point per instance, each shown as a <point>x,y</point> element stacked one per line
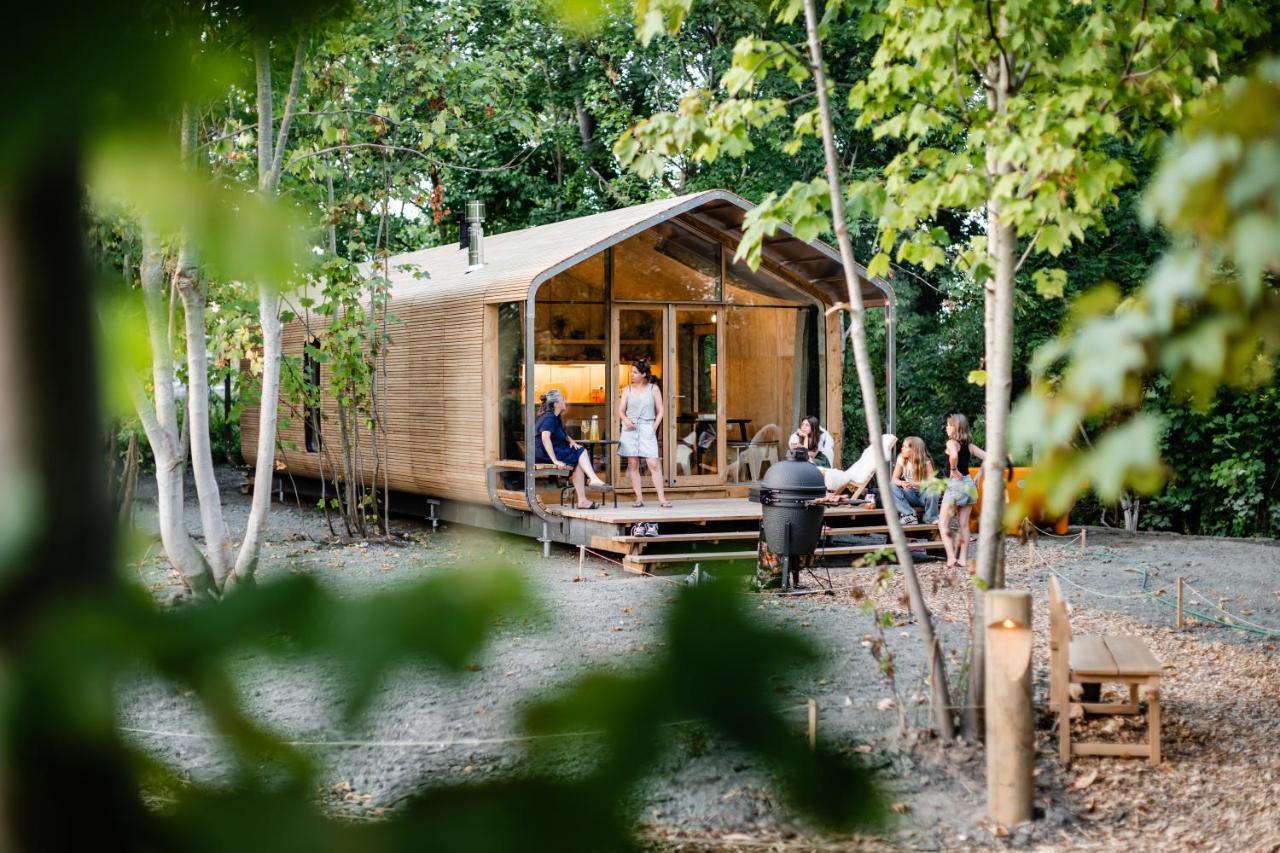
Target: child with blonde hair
<point>913,483</point>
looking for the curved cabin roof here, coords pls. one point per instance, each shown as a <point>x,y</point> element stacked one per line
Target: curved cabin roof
<point>518,261</point>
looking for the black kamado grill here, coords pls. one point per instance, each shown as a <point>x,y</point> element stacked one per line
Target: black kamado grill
<point>791,520</point>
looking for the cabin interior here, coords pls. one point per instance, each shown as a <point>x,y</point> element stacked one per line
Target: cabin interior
<point>740,357</point>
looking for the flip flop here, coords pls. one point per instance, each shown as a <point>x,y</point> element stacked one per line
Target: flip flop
<point>665,504</point>
<point>637,504</point>
<point>594,505</point>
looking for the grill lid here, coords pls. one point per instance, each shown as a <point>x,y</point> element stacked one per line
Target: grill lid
<point>794,478</point>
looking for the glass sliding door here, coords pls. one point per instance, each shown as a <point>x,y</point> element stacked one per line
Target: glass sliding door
<point>640,332</point>
<point>696,407</point>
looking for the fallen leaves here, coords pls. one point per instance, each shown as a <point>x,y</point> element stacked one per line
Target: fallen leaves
<point>1086,780</point>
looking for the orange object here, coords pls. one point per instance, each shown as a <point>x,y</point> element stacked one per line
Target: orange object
<point>1014,484</point>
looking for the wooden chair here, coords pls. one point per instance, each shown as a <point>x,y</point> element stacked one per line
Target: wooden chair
<point>1099,660</point>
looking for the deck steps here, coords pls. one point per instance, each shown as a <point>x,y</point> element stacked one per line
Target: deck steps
<point>721,530</point>
<point>848,550</point>
<point>725,535</point>
<point>637,562</point>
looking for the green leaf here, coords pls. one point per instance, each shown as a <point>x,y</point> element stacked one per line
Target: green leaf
<point>1050,283</point>
<point>879,265</point>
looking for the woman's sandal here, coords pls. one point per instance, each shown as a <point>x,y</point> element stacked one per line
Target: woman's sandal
<point>593,505</point>
<point>665,504</point>
<point>637,504</point>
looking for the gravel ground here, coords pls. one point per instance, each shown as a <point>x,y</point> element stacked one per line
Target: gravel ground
<point>705,794</point>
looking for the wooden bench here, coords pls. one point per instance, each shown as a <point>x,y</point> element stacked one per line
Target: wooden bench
<point>1099,660</point>
<point>515,499</point>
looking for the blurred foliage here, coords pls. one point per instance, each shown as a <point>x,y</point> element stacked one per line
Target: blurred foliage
<point>1208,315</point>
<point>76,630</point>
<point>68,679</point>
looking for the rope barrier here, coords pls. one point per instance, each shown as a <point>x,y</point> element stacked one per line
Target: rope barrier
<point>1228,613</point>
<point>1238,623</point>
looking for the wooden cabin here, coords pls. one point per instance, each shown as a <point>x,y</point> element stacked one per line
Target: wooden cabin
<point>740,355</point>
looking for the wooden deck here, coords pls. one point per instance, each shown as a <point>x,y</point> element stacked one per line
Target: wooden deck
<point>687,511</point>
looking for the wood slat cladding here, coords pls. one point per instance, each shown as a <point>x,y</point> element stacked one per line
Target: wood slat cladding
<point>440,388</point>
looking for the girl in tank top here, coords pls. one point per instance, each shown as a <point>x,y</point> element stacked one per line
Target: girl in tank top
<point>961,493</point>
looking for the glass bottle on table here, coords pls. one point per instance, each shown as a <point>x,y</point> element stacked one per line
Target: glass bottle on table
<point>595,427</point>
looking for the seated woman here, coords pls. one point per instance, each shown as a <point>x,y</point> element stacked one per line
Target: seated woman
<point>913,483</point>
<point>554,447</point>
<point>814,438</point>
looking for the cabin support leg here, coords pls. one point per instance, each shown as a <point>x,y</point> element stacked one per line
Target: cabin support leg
<point>546,541</point>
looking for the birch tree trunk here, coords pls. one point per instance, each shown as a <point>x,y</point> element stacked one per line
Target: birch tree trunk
<point>217,541</point>
<point>187,286</point>
<point>999,290</point>
<point>264,469</point>
<point>161,426</point>
<point>935,661</point>
<point>270,167</point>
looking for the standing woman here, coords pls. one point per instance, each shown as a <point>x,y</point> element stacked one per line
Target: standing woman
<point>640,411</point>
<point>961,493</point>
<point>554,447</point>
<point>814,438</point>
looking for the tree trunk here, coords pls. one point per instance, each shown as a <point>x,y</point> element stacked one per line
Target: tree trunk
<point>59,539</point>
<point>1001,247</point>
<point>264,471</point>
<point>129,481</point>
<point>161,426</point>
<point>1131,507</point>
<point>270,166</point>
<point>217,541</point>
<point>196,428</point>
<point>934,659</point>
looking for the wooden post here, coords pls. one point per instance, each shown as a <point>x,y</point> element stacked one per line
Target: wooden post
<point>1084,539</point>
<point>813,725</point>
<point>1010,720</point>
<point>582,555</point>
<point>1180,622</point>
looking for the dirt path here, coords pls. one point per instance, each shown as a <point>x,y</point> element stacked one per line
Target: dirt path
<point>1223,718</point>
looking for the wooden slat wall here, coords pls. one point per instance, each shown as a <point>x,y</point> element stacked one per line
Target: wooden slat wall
<point>434,411</point>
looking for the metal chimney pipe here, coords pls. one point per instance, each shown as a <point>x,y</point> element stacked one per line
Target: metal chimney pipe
<point>475,234</point>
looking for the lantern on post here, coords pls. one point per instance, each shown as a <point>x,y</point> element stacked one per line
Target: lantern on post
<point>1010,723</point>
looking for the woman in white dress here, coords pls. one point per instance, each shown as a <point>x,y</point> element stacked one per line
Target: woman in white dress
<point>640,411</point>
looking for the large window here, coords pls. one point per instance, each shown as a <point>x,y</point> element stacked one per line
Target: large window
<point>571,345</point>
<point>666,263</point>
<point>761,347</point>
<point>311,378</point>
<point>511,378</point>
<point>758,287</point>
